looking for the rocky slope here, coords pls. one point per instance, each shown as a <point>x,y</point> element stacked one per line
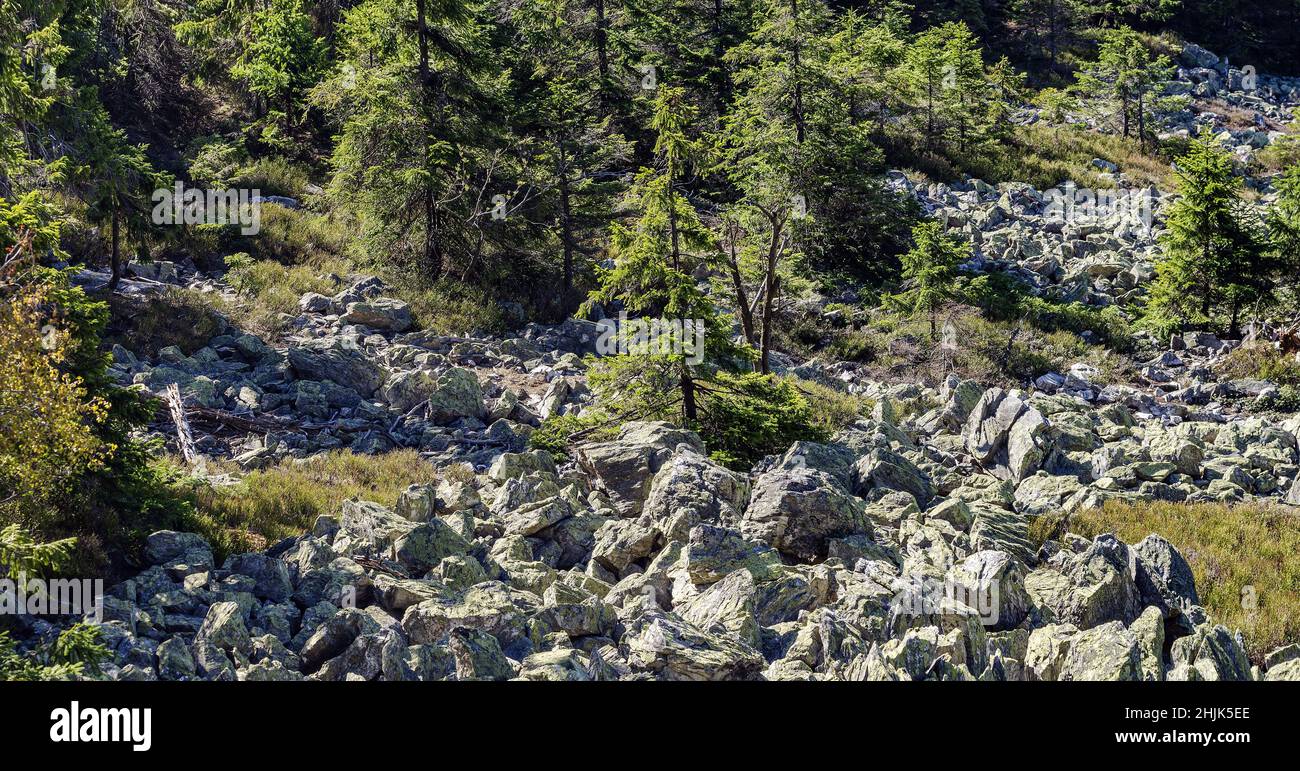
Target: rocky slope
<point>901,549</point>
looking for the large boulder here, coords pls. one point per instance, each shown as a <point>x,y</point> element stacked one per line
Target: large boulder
<point>673,649</point>
<point>1095,587</point>
<point>490,607</point>
<point>338,360</point>
<point>990,422</point>
<point>712,552</point>
<point>798,511</point>
<point>690,489</point>
<point>625,466</point>
<point>1028,443</point>
<point>883,469</point>
<point>1209,653</point>
<point>1106,652</point>
<point>270,576</point>
<point>449,395</point>
<point>1164,578</point>
<point>380,313</point>
<point>224,627</point>
<point>993,583</point>
<point>427,544</point>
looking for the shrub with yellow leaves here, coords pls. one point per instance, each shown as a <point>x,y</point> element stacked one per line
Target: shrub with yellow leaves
<point>47,419</point>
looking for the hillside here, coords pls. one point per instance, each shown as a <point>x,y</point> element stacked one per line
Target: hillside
<point>385,340</point>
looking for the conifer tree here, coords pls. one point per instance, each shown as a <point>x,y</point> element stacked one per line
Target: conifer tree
<point>1127,76</point>
<point>1212,251</point>
<point>930,267</point>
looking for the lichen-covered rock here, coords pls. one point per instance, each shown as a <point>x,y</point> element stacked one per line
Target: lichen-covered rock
<point>625,466</point>
<point>673,649</point>
<point>1164,578</point>
<point>689,489</point>
<point>381,313</point>
<point>338,360</point>
<point>993,584</point>
<point>1105,652</point>
<point>224,628</point>
<point>798,511</point>
<point>491,607</point>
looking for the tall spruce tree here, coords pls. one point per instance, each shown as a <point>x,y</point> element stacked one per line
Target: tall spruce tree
<point>1213,256</point>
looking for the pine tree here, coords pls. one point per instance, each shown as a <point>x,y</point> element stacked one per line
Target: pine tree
<point>420,129</point>
<point>1127,76</point>
<point>864,60</point>
<point>1049,25</point>
<point>1283,225</point>
<point>930,268</point>
<point>282,61</point>
<point>578,153</point>
<point>927,71</point>
<point>656,255</point>
<point>1212,250</point>
<point>118,181</point>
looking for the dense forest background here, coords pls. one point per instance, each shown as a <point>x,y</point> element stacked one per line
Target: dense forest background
<point>490,146</point>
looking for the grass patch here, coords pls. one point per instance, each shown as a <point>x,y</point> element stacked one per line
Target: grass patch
<point>1229,547</point>
<point>269,291</point>
<point>272,176</point>
<point>1003,352</point>
<point>297,236</point>
<point>831,409</point>
<point>1260,361</point>
<point>284,500</point>
<point>1045,155</point>
<point>450,307</point>
<point>183,317</point>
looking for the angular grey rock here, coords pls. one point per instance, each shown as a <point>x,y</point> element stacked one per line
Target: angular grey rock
<point>1164,578</point>
<point>381,313</point>
<point>270,576</point>
<point>990,422</point>
<point>336,360</point>
<point>625,466</point>
<point>224,627</point>
<point>1106,652</point>
<point>993,584</point>
<point>689,489</point>
<point>673,649</point>
<point>799,510</point>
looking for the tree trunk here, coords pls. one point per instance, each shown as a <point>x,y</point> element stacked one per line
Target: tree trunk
<point>116,275</point>
<point>770,288</point>
<point>1052,41</point>
<point>1123,106</point>
<point>566,227</point>
<point>742,301</point>
<point>1142,124</point>
<point>672,222</point>
<point>796,75</point>
<point>722,91</point>
<point>433,257</point>
<point>688,396</point>
<point>602,41</point>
